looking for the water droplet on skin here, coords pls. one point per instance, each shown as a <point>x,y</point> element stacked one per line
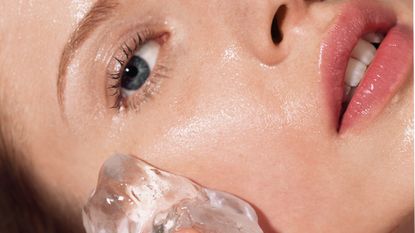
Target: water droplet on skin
<point>79,8</point>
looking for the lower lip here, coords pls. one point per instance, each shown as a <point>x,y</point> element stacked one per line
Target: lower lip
<point>384,77</point>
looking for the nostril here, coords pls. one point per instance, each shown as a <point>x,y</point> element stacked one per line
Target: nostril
<point>276,32</point>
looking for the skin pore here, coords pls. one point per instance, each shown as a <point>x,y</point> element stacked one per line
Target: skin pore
<point>229,108</point>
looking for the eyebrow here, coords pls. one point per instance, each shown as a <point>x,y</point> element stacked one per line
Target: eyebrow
<point>99,13</point>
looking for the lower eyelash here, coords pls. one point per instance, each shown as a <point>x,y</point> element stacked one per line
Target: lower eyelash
<point>148,90</point>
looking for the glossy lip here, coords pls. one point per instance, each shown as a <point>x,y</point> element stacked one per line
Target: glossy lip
<point>387,72</point>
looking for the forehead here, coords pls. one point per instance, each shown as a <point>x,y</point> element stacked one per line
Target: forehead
<point>22,19</point>
<point>76,9</point>
<point>66,14</point>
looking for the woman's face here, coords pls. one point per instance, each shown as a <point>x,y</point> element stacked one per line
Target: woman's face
<point>225,104</point>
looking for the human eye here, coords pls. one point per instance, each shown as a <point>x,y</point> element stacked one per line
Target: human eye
<point>137,70</point>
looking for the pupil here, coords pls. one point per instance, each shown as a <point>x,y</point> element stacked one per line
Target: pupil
<point>131,71</point>
<point>135,74</point>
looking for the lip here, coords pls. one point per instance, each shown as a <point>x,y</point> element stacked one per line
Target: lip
<point>385,75</point>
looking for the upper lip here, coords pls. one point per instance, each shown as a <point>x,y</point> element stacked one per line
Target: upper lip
<point>395,54</point>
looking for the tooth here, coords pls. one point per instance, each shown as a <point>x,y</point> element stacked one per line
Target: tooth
<point>364,52</point>
<point>354,72</point>
<point>350,95</point>
<point>373,37</point>
<point>346,89</point>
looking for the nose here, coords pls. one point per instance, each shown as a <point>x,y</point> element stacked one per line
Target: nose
<point>270,33</point>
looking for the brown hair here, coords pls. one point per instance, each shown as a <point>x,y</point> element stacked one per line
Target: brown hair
<point>23,209</point>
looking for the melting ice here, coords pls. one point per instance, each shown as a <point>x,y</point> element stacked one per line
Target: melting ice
<point>134,197</point>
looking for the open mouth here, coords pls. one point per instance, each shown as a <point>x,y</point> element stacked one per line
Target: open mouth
<point>365,59</point>
<point>360,59</point>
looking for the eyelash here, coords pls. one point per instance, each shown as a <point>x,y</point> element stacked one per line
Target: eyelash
<point>151,85</point>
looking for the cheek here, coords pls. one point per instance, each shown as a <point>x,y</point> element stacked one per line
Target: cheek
<point>233,114</point>
<point>224,130</point>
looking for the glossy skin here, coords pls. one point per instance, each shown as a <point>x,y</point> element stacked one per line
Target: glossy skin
<point>236,113</point>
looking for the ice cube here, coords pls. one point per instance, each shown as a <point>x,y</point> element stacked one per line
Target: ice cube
<point>134,197</point>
